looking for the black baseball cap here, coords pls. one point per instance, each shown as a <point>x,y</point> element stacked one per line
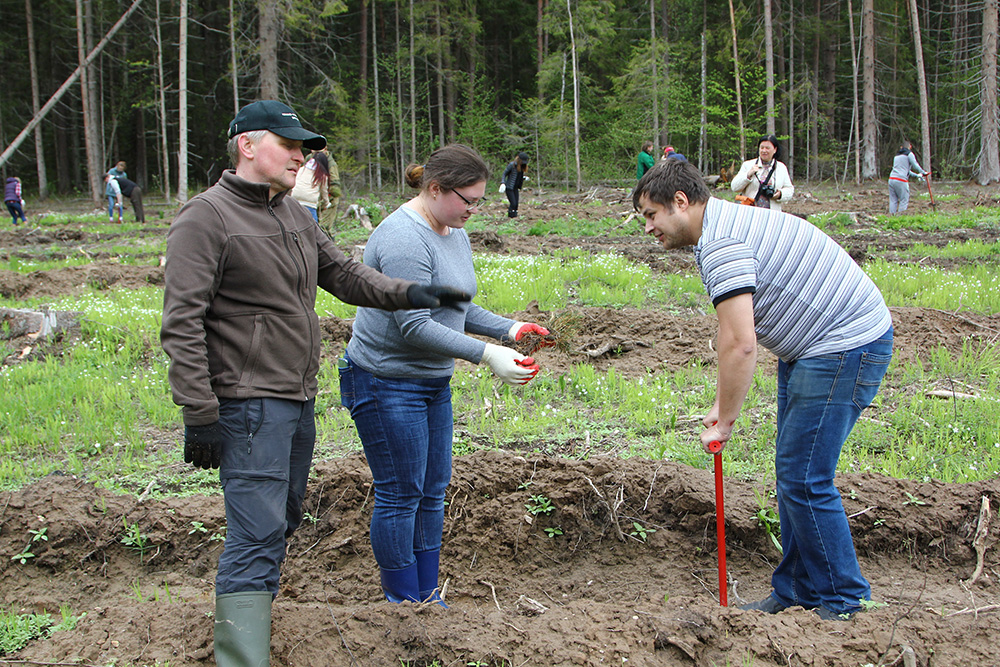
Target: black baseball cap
<point>278,118</point>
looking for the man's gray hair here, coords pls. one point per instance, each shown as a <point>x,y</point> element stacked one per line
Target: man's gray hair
<point>232,147</point>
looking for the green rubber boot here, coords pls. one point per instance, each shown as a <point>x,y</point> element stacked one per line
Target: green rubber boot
<point>243,629</point>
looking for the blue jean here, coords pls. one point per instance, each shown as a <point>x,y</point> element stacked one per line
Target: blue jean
<point>405,426</point>
<point>15,210</point>
<point>267,447</point>
<point>819,401</point>
<point>312,212</point>
<point>112,203</point>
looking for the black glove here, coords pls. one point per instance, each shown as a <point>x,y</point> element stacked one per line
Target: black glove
<point>203,445</point>
<point>436,296</point>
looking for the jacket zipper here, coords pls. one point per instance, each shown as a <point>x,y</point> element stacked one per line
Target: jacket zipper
<point>299,266</point>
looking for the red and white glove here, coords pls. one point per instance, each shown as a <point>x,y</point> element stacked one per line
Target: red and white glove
<point>509,365</point>
<point>520,328</point>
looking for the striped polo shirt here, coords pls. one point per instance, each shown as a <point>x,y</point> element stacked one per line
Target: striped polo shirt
<point>809,296</point>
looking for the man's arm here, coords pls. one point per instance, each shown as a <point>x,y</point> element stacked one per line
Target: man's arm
<point>737,347</point>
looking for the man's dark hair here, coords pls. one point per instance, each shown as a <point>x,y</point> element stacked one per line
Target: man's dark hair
<point>660,183</point>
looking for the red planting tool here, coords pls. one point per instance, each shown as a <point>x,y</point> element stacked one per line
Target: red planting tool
<point>720,521</point>
<point>927,177</point>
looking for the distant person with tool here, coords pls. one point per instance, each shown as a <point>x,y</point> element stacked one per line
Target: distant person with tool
<point>904,165</point>
<point>764,180</point>
<point>243,266</point>
<point>778,281</point>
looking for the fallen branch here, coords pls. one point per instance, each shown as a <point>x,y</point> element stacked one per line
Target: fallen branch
<point>979,542</point>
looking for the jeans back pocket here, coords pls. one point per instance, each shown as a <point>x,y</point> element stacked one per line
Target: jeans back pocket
<point>346,382</point>
<point>870,373</point>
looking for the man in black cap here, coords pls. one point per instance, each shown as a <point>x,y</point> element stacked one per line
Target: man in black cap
<point>239,324</point>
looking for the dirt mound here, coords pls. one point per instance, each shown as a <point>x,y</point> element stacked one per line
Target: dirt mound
<point>595,594</point>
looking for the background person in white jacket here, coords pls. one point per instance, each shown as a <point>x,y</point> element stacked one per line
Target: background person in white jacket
<point>765,179</point>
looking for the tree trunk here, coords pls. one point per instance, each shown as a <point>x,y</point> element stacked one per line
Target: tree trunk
<point>413,89</point>
<point>769,64</point>
<point>812,165</point>
<point>702,134</point>
<point>869,138</point>
<point>854,108</point>
<point>925,122</point>
<point>739,94</point>
<point>576,99</point>
<point>791,93</point>
<point>439,78</point>
<point>267,28</point>
<point>161,99</point>
<point>656,81</point>
<point>989,155</point>
<point>232,54</point>
<point>540,54</point>
<point>43,182</point>
<point>88,136</point>
<point>378,108</point>
<point>182,90</point>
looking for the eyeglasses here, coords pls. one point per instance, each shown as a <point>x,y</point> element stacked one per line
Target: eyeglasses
<point>469,205</point>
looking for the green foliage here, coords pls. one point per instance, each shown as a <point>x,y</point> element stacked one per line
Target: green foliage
<point>16,630</point>
<point>540,505</point>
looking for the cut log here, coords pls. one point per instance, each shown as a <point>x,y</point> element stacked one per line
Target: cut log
<point>15,323</point>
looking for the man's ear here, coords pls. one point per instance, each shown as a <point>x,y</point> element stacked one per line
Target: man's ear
<point>245,145</point>
<point>681,200</point>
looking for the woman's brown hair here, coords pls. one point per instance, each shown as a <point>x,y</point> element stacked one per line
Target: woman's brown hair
<point>452,166</point>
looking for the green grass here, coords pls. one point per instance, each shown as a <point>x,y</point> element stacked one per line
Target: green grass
<point>973,249</point>
<point>933,222</point>
<point>974,287</point>
<point>102,409</point>
<point>16,630</point>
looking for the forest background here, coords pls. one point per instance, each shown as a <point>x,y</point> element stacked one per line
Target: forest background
<point>578,84</point>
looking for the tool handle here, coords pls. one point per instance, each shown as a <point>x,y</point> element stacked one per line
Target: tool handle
<point>715,446</point>
<point>720,528</point>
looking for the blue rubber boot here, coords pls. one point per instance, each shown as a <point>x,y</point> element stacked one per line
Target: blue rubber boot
<point>401,585</point>
<point>428,563</point>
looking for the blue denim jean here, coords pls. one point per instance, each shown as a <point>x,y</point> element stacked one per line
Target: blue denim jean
<point>267,447</point>
<point>112,205</point>
<point>819,401</point>
<point>405,426</point>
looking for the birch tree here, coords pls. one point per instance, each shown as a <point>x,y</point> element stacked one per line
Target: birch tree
<point>90,143</point>
<point>182,104</point>
<point>989,155</point>
<point>739,94</point>
<point>43,184</point>
<point>925,118</point>
<point>576,98</point>
<point>769,64</point>
<point>869,129</point>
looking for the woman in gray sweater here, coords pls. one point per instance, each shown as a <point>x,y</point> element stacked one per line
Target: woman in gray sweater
<point>395,375</point>
<point>904,165</point>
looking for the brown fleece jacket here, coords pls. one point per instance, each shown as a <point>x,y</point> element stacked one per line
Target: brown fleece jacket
<point>239,317</point>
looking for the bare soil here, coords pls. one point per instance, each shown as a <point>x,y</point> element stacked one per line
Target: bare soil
<point>594,595</point>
